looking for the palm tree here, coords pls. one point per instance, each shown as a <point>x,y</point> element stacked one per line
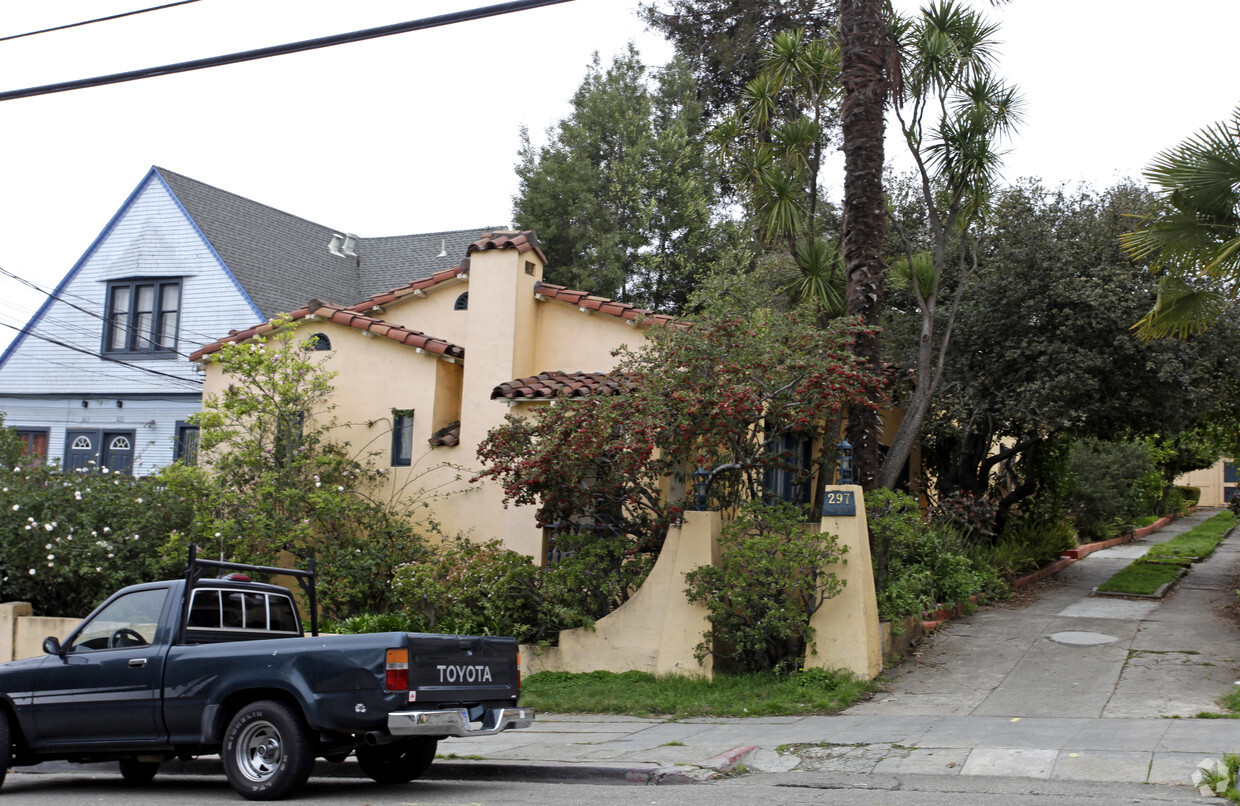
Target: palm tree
<point>865,56</point>
<point>1195,238</point>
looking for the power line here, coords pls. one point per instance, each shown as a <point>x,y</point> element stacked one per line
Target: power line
<point>97,19</point>
<point>127,328</point>
<point>281,50</point>
<point>27,332</point>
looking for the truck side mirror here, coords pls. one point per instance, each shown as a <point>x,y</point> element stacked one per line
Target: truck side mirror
<point>51,646</point>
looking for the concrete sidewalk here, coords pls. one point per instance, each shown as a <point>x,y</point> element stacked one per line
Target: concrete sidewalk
<point>1055,684</point>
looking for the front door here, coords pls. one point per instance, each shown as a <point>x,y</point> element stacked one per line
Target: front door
<point>81,448</point>
<point>117,449</point>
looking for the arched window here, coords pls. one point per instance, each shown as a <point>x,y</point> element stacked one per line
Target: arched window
<point>462,302</point>
<point>321,342</point>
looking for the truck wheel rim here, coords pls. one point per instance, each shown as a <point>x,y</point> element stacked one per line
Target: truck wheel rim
<point>259,751</point>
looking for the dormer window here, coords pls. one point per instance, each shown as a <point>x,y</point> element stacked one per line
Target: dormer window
<point>142,316</point>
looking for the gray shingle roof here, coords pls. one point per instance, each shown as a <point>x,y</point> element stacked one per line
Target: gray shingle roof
<point>282,260</point>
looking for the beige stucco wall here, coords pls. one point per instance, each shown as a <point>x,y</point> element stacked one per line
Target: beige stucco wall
<point>657,629</point>
<point>1211,482</point>
<point>22,634</point>
<point>846,631</point>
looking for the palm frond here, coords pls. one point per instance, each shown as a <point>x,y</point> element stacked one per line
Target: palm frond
<point>822,278</point>
<point>1180,311</point>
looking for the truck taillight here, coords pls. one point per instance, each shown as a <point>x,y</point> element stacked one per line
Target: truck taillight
<point>518,670</point>
<point>396,677</point>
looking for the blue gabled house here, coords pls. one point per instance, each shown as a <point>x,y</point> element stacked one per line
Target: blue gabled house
<point>100,374</point>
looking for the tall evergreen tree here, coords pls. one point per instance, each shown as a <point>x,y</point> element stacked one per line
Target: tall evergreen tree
<point>723,40</point>
<point>621,195</point>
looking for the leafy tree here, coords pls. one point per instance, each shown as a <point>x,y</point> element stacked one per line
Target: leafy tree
<point>720,393</point>
<point>953,112</point>
<point>279,483</point>
<point>621,195</point>
<point>10,445</point>
<point>772,145</point>
<point>1042,353</point>
<point>771,579</point>
<point>723,40</point>
<point>1193,239</point>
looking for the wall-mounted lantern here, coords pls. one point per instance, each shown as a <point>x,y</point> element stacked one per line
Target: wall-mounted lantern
<point>844,457</point>
<point>701,488</point>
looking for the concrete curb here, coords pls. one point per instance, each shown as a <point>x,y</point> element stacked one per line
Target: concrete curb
<point>445,769</point>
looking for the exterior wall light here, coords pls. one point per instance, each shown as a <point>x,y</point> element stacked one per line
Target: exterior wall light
<point>701,488</point>
<point>844,458</point>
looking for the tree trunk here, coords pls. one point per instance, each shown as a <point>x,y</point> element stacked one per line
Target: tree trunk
<point>863,54</point>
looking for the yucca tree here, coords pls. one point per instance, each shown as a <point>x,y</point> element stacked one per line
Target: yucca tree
<point>772,146</point>
<point>954,112</point>
<point>1194,239</point>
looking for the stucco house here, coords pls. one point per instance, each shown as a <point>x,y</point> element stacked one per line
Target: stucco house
<point>426,369</point>
<point>99,373</point>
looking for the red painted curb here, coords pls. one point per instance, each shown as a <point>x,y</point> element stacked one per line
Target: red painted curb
<point>731,759</point>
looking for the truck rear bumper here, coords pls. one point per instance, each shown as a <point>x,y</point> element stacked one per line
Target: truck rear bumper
<point>456,722</point>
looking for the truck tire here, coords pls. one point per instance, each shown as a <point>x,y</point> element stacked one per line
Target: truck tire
<point>138,773</point>
<point>6,744</point>
<point>267,752</point>
<point>399,762</point>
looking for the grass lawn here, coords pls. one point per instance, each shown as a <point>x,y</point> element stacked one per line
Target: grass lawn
<point>1166,561</point>
<point>641,694</point>
<point>1142,578</point>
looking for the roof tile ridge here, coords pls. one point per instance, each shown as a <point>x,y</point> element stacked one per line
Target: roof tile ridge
<point>341,315</point>
<point>420,284</point>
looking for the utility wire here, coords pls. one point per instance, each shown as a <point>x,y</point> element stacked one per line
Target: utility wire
<point>128,328</point>
<point>280,50</point>
<point>97,19</point>
<point>93,354</point>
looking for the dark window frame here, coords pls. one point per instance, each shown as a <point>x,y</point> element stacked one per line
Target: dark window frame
<point>139,344</point>
<point>186,451</point>
<point>24,434</point>
<point>402,450</point>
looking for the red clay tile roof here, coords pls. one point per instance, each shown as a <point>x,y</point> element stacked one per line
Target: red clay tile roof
<point>522,241</point>
<point>349,318</point>
<point>446,437</point>
<point>561,384</point>
<point>601,304</point>
<point>421,285</point>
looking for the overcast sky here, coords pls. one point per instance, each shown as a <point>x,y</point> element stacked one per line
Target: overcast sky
<point>419,132</point>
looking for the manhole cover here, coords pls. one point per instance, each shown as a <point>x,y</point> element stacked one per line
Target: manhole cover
<point>1076,638</point>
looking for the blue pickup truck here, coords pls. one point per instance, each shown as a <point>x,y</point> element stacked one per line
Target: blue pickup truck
<point>201,666</point>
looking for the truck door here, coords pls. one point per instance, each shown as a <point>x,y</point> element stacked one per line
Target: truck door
<point>106,686</point>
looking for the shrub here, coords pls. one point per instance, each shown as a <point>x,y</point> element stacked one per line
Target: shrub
<point>1026,545</point>
<point>1116,481</point>
<point>471,589</point>
<point>68,540</point>
<point>771,579</point>
<point>971,515</point>
<point>927,564</point>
